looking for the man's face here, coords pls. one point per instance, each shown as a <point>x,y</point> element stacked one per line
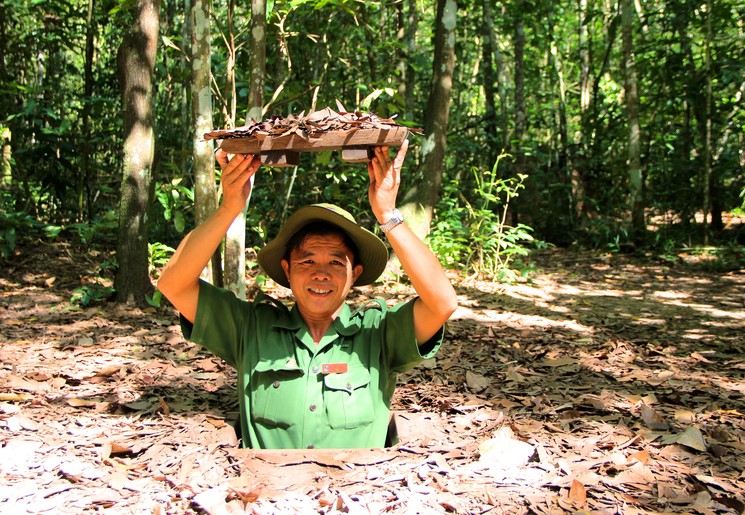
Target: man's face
<point>321,272</point>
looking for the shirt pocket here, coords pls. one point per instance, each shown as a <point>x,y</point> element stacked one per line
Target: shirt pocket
<point>275,391</point>
<point>348,399</point>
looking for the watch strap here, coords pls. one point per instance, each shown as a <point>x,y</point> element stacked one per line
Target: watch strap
<point>392,222</point>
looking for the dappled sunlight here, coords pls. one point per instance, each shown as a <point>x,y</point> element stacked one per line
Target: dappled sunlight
<point>575,385</point>
<point>509,319</point>
<point>621,300</point>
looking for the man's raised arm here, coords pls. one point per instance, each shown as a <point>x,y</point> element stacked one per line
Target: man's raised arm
<point>179,280</point>
<point>437,298</point>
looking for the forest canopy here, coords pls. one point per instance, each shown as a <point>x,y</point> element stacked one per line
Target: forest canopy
<point>585,114</point>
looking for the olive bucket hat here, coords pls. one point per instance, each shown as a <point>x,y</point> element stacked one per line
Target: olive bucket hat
<point>373,254</point>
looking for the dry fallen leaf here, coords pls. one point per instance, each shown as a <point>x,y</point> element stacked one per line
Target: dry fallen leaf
<point>476,382</point>
<point>641,456</point>
<point>316,122</point>
<point>81,403</point>
<point>577,494</point>
<point>652,419</point>
<point>691,438</point>
<point>583,431</point>
<point>560,362</point>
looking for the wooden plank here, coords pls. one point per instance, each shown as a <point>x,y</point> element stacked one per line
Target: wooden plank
<point>332,140</point>
<point>280,158</point>
<point>356,154</point>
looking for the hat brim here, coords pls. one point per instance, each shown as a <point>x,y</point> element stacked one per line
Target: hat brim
<point>373,254</point>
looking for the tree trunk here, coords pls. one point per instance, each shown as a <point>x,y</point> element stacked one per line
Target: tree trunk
<point>487,52</point>
<point>578,160</point>
<point>235,243</point>
<point>401,54</point>
<point>636,194</point>
<point>187,129</point>
<point>689,166</point>
<point>205,190</point>
<point>520,109</point>
<point>564,162</point>
<point>584,58</point>
<point>6,151</point>
<point>136,66</point>
<point>257,60</point>
<point>6,154</point>
<point>503,81</point>
<point>84,174</point>
<point>712,206</point>
<point>412,22</point>
<point>419,201</point>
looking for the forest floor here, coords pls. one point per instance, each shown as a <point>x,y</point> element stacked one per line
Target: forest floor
<point>606,384</point>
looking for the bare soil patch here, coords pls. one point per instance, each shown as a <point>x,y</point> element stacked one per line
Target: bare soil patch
<point>608,385</point>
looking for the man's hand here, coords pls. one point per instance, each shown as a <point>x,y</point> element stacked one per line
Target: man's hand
<point>237,178</point>
<point>437,299</point>
<point>179,280</point>
<point>385,178</point>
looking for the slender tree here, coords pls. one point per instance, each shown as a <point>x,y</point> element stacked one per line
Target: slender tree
<point>412,21</point>
<point>257,60</point>
<point>636,200</point>
<point>520,107</point>
<point>579,161</point>
<point>401,53</point>
<point>136,66</point>
<point>419,201</point>
<point>487,50</point>
<point>564,158</point>
<point>84,174</point>
<point>205,190</point>
<point>712,215</point>
<point>235,243</point>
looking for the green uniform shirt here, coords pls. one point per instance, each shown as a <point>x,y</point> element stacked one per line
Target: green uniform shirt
<point>296,394</point>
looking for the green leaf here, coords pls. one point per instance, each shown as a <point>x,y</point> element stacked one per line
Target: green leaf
<point>179,221</point>
<point>155,300</point>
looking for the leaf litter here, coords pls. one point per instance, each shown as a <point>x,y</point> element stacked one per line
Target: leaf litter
<point>308,125</point>
<point>612,385</point>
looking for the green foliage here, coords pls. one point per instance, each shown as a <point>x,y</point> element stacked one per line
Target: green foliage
<point>53,188</point>
<point>11,224</point>
<point>18,224</point>
<point>158,255</point>
<point>606,234</point>
<point>155,300</point>
<point>177,201</point>
<point>477,236</point>
<point>103,227</point>
<point>89,294</point>
<point>7,241</point>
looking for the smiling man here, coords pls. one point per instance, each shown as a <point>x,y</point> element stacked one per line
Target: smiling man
<point>318,375</point>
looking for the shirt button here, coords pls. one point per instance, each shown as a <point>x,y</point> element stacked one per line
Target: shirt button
<point>311,446</point>
<point>315,370</point>
<point>349,386</point>
<point>276,384</point>
<point>313,407</point>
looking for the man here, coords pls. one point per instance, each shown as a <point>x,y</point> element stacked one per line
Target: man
<point>318,375</point>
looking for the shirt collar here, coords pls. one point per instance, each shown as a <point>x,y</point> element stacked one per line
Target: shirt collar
<point>346,324</point>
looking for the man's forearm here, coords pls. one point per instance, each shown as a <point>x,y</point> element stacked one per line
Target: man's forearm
<point>182,271</point>
<point>427,277</point>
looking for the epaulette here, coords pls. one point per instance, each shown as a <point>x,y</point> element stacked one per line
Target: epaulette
<point>263,298</point>
<point>376,303</point>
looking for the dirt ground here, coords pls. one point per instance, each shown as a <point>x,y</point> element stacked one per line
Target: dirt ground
<point>607,384</point>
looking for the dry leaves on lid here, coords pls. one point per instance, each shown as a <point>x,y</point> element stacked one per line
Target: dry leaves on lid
<point>307,126</point>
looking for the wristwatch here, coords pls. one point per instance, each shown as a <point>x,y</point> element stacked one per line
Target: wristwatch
<point>393,221</point>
